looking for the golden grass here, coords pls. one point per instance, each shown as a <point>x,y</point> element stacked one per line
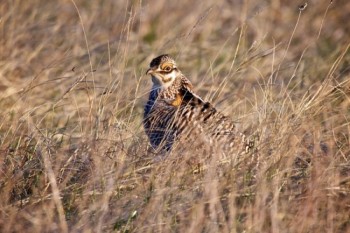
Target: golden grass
<point>76,160</point>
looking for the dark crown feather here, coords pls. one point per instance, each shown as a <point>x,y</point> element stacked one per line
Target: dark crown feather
<point>161,59</point>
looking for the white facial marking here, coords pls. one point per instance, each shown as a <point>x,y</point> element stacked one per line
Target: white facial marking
<point>163,81</point>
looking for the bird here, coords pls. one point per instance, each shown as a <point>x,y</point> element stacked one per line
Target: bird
<point>173,111</point>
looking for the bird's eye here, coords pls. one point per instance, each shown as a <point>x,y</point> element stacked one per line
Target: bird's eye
<point>167,68</point>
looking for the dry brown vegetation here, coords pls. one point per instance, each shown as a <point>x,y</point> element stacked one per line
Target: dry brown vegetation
<point>76,160</point>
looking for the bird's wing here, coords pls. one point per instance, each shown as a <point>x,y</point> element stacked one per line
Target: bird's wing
<point>194,114</point>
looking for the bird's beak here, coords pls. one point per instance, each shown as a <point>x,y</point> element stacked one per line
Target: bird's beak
<point>149,71</point>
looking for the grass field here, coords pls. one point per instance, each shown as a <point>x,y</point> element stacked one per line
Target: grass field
<point>73,153</point>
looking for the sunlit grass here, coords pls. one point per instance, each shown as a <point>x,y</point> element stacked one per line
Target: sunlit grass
<point>74,156</point>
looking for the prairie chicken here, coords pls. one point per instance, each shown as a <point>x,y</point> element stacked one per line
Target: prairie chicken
<point>174,110</point>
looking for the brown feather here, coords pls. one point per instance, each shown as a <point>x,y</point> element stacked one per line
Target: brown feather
<point>176,112</point>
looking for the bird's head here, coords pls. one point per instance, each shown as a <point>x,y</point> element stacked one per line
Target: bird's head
<point>163,71</point>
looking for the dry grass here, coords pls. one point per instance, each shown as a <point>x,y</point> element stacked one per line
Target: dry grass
<point>76,160</point>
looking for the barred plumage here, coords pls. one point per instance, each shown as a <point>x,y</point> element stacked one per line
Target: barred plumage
<point>173,110</point>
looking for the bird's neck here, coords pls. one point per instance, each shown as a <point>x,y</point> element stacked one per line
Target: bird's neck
<point>153,95</point>
<point>170,92</point>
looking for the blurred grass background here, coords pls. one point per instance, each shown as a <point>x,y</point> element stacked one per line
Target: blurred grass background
<point>74,157</point>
